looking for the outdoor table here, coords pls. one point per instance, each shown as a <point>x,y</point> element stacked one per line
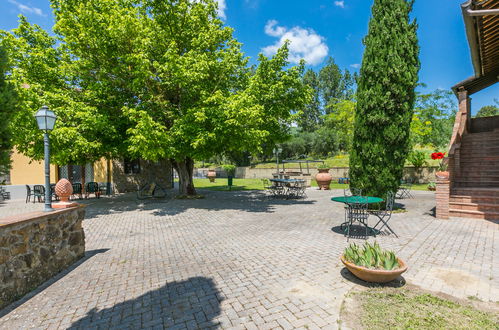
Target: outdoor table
<point>282,185</point>
<point>357,199</point>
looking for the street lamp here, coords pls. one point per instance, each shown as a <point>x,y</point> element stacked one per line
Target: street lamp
<point>45,118</point>
<point>277,151</point>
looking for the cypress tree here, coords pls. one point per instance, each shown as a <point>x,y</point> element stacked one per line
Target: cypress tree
<point>7,107</point>
<point>385,98</point>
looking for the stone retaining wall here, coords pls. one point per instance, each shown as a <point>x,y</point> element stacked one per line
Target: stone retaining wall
<point>423,175</point>
<point>36,246</point>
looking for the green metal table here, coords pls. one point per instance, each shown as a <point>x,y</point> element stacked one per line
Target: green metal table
<point>357,199</point>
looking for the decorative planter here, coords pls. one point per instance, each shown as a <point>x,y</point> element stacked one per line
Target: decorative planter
<point>323,178</point>
<point>442,175</point>
<point>375,275</point>
<point>432,188</point>
<point>212,175</point>
<point>64,190</point>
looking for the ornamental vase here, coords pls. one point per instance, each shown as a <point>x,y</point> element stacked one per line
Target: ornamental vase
<point>323,178</point>
<point>442,175</point>
<point>212,175</point>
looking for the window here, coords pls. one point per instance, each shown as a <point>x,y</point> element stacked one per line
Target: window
<point>132,166</point>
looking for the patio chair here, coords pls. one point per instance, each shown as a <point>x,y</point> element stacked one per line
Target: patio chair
<point>29,193</point>
<point>52,192</point>
<point>38,193</point>
<point>384,215</point>
<point>352,192</point>
<point>4,194</point>
<point>357,212</point>
<point>404,190</point>
<point>92,188</point>
<point>77,190</point>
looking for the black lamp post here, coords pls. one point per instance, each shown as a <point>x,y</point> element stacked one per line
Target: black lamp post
<point>45,119</point>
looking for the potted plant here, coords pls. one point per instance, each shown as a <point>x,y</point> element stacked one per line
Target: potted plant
<point>211,174</point>
<point>371,263</point>
<point>432,186</point>
<point>323,178</point>
<point>442,172</point>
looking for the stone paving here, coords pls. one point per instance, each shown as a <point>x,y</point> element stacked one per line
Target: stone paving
<point>241,260</point>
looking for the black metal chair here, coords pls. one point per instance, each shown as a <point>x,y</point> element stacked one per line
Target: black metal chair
<point>29,193</point>
<point>92,188</point>
<point>77,190</point>
<point>385,214</point>
<point>357,213</point>
<point>404,190</point>
<point>4,194</point>
<point>297,190</point>
<point>38,193</point>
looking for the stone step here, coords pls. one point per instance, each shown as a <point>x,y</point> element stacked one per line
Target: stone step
<point>470,184</point>
<point>484,207</point>
<point>474,214</point>
<point>475,191</point>
<point>474,199</point>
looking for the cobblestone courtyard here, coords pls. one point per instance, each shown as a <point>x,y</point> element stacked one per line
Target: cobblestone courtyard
<point>238,259</point>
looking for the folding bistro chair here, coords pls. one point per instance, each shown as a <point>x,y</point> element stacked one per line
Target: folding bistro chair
<point>357,212</point>
<point>92,188</point>
<point>385,215</point>
<point>404,190</point>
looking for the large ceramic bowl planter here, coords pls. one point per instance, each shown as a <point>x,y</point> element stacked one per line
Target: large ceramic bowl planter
<point>375,275</point>
<point>323,178</point>
<point>212,175</point>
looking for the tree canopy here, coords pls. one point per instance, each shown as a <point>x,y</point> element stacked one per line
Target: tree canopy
<point>488,111</point>
<point>153,80</point>
<point>385,98</point>
<point>8,106</point>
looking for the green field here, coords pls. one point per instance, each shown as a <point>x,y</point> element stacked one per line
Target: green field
<point>220,184</point>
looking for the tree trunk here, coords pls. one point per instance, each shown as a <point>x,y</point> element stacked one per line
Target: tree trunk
<point>184,169</point>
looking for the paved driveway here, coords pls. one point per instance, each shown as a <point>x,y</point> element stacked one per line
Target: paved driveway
<point>238,259</point>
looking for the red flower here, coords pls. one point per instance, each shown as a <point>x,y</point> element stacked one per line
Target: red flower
<point>437,155</point>
<point>434,155</point>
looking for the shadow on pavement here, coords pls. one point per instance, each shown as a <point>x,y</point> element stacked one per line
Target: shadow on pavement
<point>396,283</point>
<point>193,303</point>
<point>249,201</point>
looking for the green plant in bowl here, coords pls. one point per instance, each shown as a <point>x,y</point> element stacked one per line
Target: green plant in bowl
<point>230,169</point>
<point>323,167</point>
<point>371,256</point>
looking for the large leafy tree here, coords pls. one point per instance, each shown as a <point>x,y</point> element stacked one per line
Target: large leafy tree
<point>42,74</point>
<point>310,117</point>
<point>8,104</point>
<point>385,98</point>
<point>175,80</point>
<point>488,111</point>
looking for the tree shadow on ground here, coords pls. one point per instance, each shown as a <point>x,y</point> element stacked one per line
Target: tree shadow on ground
<point>46,284</point>
<point>396,283</point>
<point>248,201</point>
<point>193,303</point>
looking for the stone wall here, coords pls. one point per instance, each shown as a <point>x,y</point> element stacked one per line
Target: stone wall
<point>423,175</point>
<point>157,172</point>
<point>36,246</point>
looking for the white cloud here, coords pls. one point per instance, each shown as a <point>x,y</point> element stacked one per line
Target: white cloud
<point>355,66</point>
<point>222,6</point>
<point>26,9</point>
<point>304,43</point>
<point>340,3</point>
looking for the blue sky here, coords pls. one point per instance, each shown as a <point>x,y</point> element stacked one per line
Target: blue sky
<point>321,28</point>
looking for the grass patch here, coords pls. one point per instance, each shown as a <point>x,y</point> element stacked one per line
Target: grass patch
<point>413,308</point>
<point>220,184</point>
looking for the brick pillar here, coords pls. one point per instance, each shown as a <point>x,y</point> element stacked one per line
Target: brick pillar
<point>442,196</point>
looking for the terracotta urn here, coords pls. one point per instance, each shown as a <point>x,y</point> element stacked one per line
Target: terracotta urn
<point>375,275</point>
<point>323,178</point>
<point>212,175</point>
<point>442,175</point>
<point>63,189</point>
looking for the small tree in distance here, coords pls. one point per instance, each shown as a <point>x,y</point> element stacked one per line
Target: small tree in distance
<point>385,98</point>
